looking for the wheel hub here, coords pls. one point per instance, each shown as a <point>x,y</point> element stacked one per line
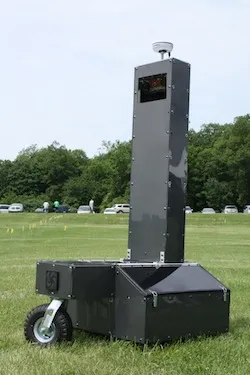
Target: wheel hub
<point>43,335</point>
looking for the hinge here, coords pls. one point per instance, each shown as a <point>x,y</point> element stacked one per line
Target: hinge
<point>129,254</point>
<point>224,289</point>
<point>162,256</point>
<point>155,297</point>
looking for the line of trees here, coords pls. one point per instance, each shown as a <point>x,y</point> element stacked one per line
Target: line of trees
<point>218,171</point>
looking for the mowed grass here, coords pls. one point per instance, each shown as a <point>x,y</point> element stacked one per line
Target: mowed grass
<point>221,243</point>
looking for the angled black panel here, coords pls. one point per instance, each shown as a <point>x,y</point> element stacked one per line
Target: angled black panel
<point>187,315</point>
<point>178,143</point>
<point>187,279</point>
<point>145,277</point>
<point>130,308</point>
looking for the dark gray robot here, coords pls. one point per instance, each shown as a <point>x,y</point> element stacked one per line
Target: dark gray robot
<point>153,295</point>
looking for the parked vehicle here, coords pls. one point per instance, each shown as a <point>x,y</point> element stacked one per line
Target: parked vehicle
<point>208,211</point>
<point>121,208</point>
<point>4,208</point>
<point>188,210</point>
<point>15,207</point>
<point>110,211</point>
<point>39,210</point>
<point>62,209</point>
<point>246,209</point>
<point>84,210</point>
<point>230,209</point>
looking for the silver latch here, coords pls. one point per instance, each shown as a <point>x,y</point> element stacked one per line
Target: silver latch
<point>129,254</point>
<point>224,293</point>
<point>155,298</point>
<point>162,256</point>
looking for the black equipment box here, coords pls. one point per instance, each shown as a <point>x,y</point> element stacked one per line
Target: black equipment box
<point>144,303</point>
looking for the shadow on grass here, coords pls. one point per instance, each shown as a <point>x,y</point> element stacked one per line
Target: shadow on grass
<point>95,339</point>
<point>239,324</point>
<point>82,337</point>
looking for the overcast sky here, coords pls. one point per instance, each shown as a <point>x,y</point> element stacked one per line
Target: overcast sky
<point>66,66</point>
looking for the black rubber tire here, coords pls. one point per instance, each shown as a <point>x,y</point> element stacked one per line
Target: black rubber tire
<point>62,326</point>
<point>120,212</point>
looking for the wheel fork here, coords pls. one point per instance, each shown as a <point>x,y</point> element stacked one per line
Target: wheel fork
<point>49,315</point>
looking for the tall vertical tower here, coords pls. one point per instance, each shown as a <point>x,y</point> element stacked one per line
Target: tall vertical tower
<point>159,160</point>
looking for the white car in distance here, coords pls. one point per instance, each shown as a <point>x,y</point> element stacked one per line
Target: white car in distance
<point>109,211</point>
<point>246,209</point>
<point>4,208</point>
<point>83,210</point>
<point>230,209</point>
<point>121,208</point>
<point>208,211</point>
<point>188,210</point>
<point>15,207</point>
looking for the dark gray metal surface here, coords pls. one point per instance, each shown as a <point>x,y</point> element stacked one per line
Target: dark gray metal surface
<point>63,287</point>
<point>93,315</point>
<point>130,308</point>
<point>78,280</point>
<point>186,315</point>
<point>178,142</point>
<point>95,282</point>
<point>147,276</point>
<point>118,299</point>
<point>158,169</point>
<point>183,307</point>
<point>186,279</point>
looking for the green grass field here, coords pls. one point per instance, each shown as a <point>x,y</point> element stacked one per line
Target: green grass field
<point>221,243</point>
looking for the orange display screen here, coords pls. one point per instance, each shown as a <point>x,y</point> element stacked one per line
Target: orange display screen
<point>153,88</point>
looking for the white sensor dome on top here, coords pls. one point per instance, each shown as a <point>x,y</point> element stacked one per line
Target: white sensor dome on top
<point>162,48</point>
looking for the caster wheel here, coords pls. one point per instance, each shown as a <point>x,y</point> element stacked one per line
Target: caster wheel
<point>60,329</point>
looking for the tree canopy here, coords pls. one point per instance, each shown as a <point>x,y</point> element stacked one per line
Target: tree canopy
<point>218,171</point>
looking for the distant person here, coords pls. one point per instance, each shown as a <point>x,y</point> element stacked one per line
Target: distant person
<point>91,206</point>
<point>46,207</point>
<point>56,205</point>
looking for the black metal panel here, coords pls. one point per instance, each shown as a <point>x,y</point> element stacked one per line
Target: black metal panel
<point>139,302</point>
<point>93,315</point>
<point>130,309</point>
<point>188,301</point>
<point>159,165</point>
<point>149,168</point>
<point>145,277</point>
<point>187,279</point>
<point>63,279</point>
<point>78,280</point>
<point>186,315</point>
<point>93,281</point>
<point>71,307</point>
<point>178,143</point>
